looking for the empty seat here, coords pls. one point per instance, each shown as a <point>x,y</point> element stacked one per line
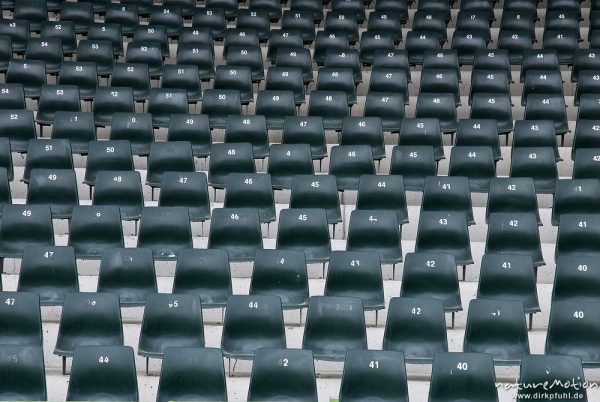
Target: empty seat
<point>18,126</point>
<point>577,235</point>
<point>514,194</point>
<point>275,106</point>
<point>296,57</point>
<point>575,196</point>
<point>300,21</point>
<point>168,156</point>
<point>99,52</point>
<point>348,163</point>
<point>250,129</point>
<point>220,103</point>
<point>65,32</point>
<point>251,190</point>
<point>168,15</point>
<point>316,191</point>
<point>445,232</point>
<point>538,369</point>
<point>375,231</point>
<point>18,31</point>
<point>474,162</point>
<point>288,160</point>
<point>129,273</point>
<point>94,371</point>
<point>237,231</point>
<point>543,60</point>
<point>181,77</point>
<point>535,133</point>
<point>199,55</point>
<point>457,376</point>
<point>348,58</point>
<point>95,228</point>
<point>414,163</point>
<point>107,155</point>
<point>120,189</point>
<point>440,80</point>
<point>548,107</point>
<point>572,330</point>
<point>575,278</point>
<point>416,328</point>
<point>388,106</point>
<point>164,102</point>
<point>110,100</point>
<point>25,226</point>
<point>332,106</point>
<point>334,325</point>
<point>81,14</point>
<point>449,193</point>
<point>269,382</point>
<point>192,372</point>
<point>439,105</point>
<point>48,50</point>
<point>31,74</point>
<point>134,75</point>
<point>186,189</point>
<point>88,319</point>
<point>326,41</point>
<point>22,370</point>
<point>212,18</point>
<point>170,320</point>
<point>54,187</point>
<point>539,163</point>
<point>495,106</point>
<point>77,127</point>
<point>305,230</point>
<point>305,130</point>
<point>364,131</point>
<point>479,132</point>
<point>385,79</point>
<point>251,323</point>
<point>204,273</point>
<point>192,128</point>
<point>238,78</point>
<point>21,318</point>
<point>373,40</point>
<point>418,42</point>
<point>383,192</point>
<point>47,154</point>
<point>565,43</point>
<point>107,31</point>
<point>54,98</point>
<point>166,230</point>
<point>153,33</point>
<point>514,233</point>
<point>516,42</point>
<point>229,158</point>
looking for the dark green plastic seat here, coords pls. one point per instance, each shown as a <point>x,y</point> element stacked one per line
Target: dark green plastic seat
<point>229,158</point>
<point>19,130</point>
<point>205,273</point>
<point>383,192</point>
<point>166,230</point>
<point>556,370</point>
<point>128,272</point>
<point>281,273</point>
<point>168,156</point>
<point>170,320</point>
<point>578,234</point>
<point>333,326</point>
<point>103,373</point>
<point>575,196</point>
<point>24,226</point>
<point>444,232</point>
<point>192,373</point>
<point>415,327</point>
<point>377,374</point>
<point>422,131</point>
<point>450,193</point>
<point>348,162</point>
<point>287,161</point>
<point>49,271</point>
<point>431,276</point>
<point>317,191</point>
<point>457,376</point>
<point>237,231</point>
<point>474,162</point>
<point>22,372</point>
<point>539,163</point>
<point>77,127</point>
<point>135,128</point>
<point>375,231</point>
<point>512,194</point>
<point>497,327</point>
<point>283,374</point>
<point>576,278</point>
<point>251,190</point>
<point>93,229</point>
<point>514,233</point>
<point>120,189</point>
<point>188,190</point>
<point>305,229</point>
<point>47,154</point>
<point>107,155</point>
<point>54,187</point>
<point>193,128</point>
<point>21,319</point>
<point>251,323</point>
<point>413,163</point>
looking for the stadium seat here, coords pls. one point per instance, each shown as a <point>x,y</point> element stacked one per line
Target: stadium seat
<point>193,128</point>
<point>184,77</point>
<point>95,228</point>
<point>586,164</point>
<point>413,163</point>
<point>305,230</point>
<point>440,80</point>
<point>575,279</point>
<point>54,187</point>
<point>220,103</point>
<point>250,129</point>
<point>540,59</point>
<point>383,192</point>
<point>535,133</point>
<point>539,163</point>
<point>445,232</point>
<point>21,318</point>
<point>166,230</point>
<point>416,328</point>
<point>251,190</point>
<point>237,231</point>
<point>121,189</point>
<point>375,231</point>
<point>77,127</point>
<point>18,126</point>
<point>96,51</point>
<point>168,156</point>
<point>515,194</point>
<point>514,233</point>
<point>547,107</point>
<point>47,154</point>
<point>474,162</point>
<point>31,74</point>
<point>107,155</point>
<point>316,191</point>
<point>305,130</point>
<point>81,14</point>
<point>489,81</point>
<point>111,100</point>
<point>553,369</point>
<point>388,106</point>
<point>449,193</point>
<point>439,105</point>
<point>164,102</point>
<point>229,158</point>
<point>493,106</point>
<point>288,160</point>
<point>134,75</point>
<point>25,226</point>
<point>577,234</point>
<point>333,326</point>
<point>129,273</point>
<point>212,18</point>
<point>236,78</point>
<point>190,190</point>
<point>48,51</point>
<point>22,370</point>
<point>65,32</point>
<point>300,21</point>
<point>479,132</point>
<point>348,163</point>
<point>575,196</point>
<point>111,32</point>
<point>95,369</point>
<point>331,106</point>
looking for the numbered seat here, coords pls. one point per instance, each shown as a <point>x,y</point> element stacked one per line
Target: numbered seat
<point>192,128</point>
<point>490,82</point>
<point>309,5</point>
<point>364,131</point>
<point>373,40</point>
<point>212,18</point>
<point>474,162</point>
<point>204,273</point>
<point>388,106</point>
<point>257,19</point>
<point>305,130</point>
<point>275,106</point>
<point>516,42</point>
<point>577,235</point>
<point>457,375</point>
<point>250,56</point>
<point>170,321</point>
<point>195,35</point>
<point>165,102</point>
<point>284,38</point>
<point>81,14</point>
<point>587,83</point>
<point>506,276</point>
<point>47,154</point>
<point>254,191</point>
<point>514,194</point>
<point>535,133</point>
<point>251,323</point>
<point>281,273</point>
<point>396,59</point>
<point>25,226</point>
<point>375,231</point>
<point>248,129</point>
<point>540,59</point>
<point>329,41</point>
<point>316,191</point>
<point>192,372</point>
<point>413,163</point>
<point>331,106</point>
<point>33,11</point>
<point>200,55</point>
<point>508,342</point>
<point>343,22</point>
<point>21,317</point>
<point>12,96</point>
<point>383,192</point>
<point>337,79</point>
<point>134,75</point>
<point>393,6</point>
<point>475,19</point>
<point>495,106</point>
<point>47,50</point>
<point>18,31</point>
<point>94,371</point>
<point>439,105</point>
<point>94,228</point>
<point>575,278</point>
<point>536,369</point>
<point>348,163</point>
<point>31,74</point>
<point>168,15</point>
<point>120,189</point>
<point>168,156</point>
<point>440,80</point>
<point>235,78</point>
<point>334,325</point>
<point>166,230</point>
<point>348,58</point>
<point>479,132</point>
<point>301,21</point>
<point>136,128</point>
<point>22,368</point>
<point>385,80</point>
<point>548,107</point>
<point>286,79</point>
<point>575,196</point>
<point>245,224</point>
<point>55,98</point>
<point>446,232</point>
<point>447,194</point>
<point>304,229</point>
<point>107,155</point>
<point>416,328</point>
<point>565,43</point>
<point>111,100</point>
<point>296,57</point>
<point>418,42</point>
<point>220,103</point>
<point>422,131</point>
<point>96,51</point>
<point>583,60</point>
<point>519,17</point>
<point>54,187</point>
<point>587,105</point>
<point>184,77</point>
<point>228,158</point>
<point>539,163</point>
<point>18,127</point>
<point>288,160</point>
<point>186,189</point>
<point>514,233</point>
<point>572,329</point>
<point>77,127</point>
<point>153,33</point>
<point>107,31</point>
<point>356,274</point>
<point>124,14</point>
<point>129,273</point>
<point>230,7</point>
<point>88,319</point>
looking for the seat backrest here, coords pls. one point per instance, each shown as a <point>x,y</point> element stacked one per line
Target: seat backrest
<point>22,371</point>
<point>375,231</point>
<point>23,226</point>
<point>21,319</point>
<point>94,228</point>
<point>188,190</point>
<point>383,192</point>
<point>166,230</point>
<point>553,369</point>
<point>305,229</point>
